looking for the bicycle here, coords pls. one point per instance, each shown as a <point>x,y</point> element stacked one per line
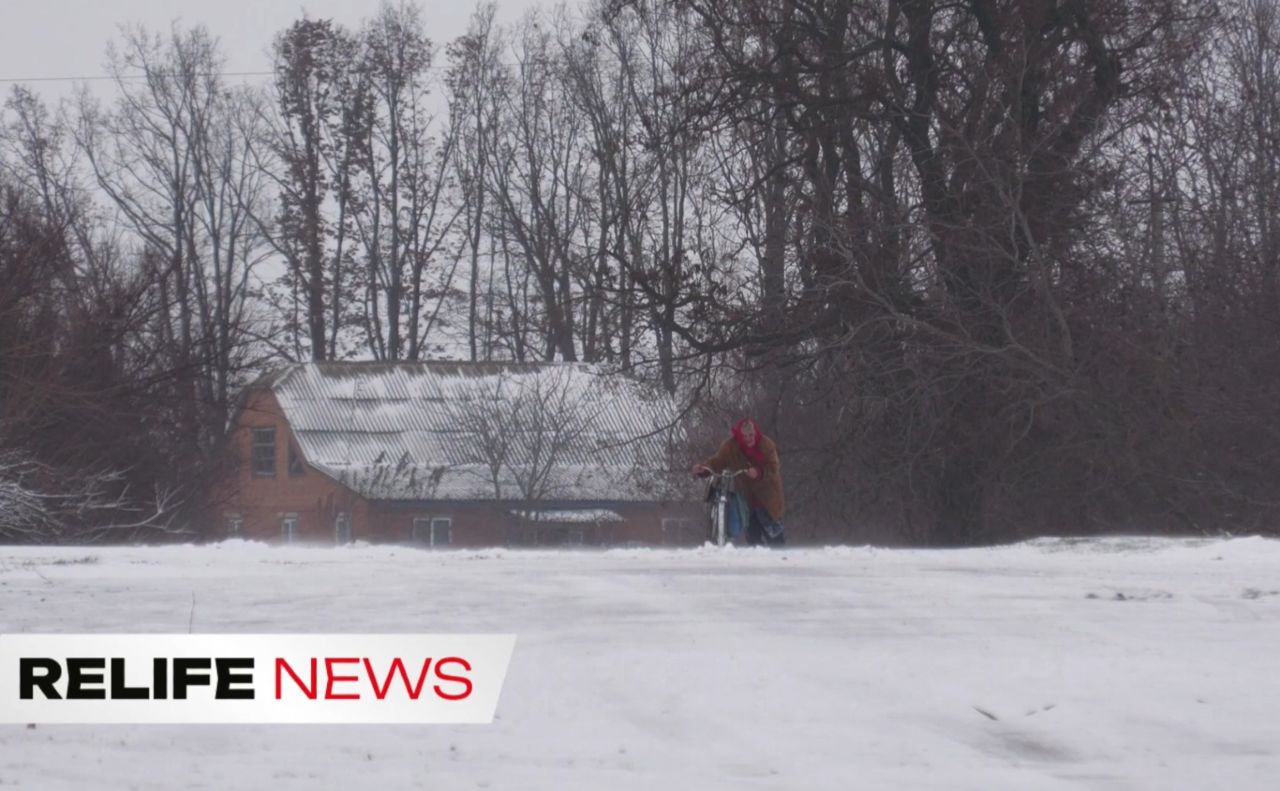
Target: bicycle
<point>722,486</point>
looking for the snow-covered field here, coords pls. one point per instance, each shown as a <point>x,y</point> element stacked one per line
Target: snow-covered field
<point>1109,664</point>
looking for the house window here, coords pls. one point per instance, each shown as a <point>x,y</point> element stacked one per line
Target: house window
<point>433,531</point>
<point>342,529</point>
<point>678,530</point>
<point>295,461</point>
<point>264,452</point>
<point>289,528</point>
<point>235,524</point>
<point>441,532</point>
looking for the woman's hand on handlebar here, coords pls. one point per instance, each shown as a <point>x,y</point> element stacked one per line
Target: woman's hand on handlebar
<point>701,470</point>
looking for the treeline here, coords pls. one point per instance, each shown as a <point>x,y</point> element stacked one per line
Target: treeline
<point>985,270</point>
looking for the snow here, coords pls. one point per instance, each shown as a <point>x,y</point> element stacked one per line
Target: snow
<point>583,515</point>
<point>400,431</point>
<point>1118,663</point>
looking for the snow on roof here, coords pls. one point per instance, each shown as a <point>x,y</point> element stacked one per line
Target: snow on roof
<point>478,431</point>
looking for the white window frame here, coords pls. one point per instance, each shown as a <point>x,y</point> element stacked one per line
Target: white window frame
<point>258,445</point>
<point>675,528</point>
<point>447,523</point>
<point>288,528</point>
<point>234,524</point>
<point>428,525</point>
<point>342,520</point>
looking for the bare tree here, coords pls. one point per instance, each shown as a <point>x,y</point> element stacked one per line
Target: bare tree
<point>476,79</point>
<point>319,125</point>
<point>538,173</point>
<point>173,157</point>
<point>73,463</point>
<point>527,428</point>
<point>487,418</point>
<point>405,219</point>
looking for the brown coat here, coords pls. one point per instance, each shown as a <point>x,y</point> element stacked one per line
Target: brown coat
<point>765,490</point>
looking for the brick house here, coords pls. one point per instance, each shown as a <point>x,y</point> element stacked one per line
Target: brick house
<point>456,454</point>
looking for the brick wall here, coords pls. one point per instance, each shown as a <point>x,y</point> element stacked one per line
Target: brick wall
<point>263,502</point>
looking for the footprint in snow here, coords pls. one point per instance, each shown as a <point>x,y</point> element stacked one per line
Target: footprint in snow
<point>1138,595</point>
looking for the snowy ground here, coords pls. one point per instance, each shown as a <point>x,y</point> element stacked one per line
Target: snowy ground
<point>1113,664</point>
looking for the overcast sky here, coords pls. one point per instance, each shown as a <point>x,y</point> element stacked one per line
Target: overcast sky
<point>67,38</point>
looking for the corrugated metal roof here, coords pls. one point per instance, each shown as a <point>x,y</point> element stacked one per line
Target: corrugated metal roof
<point>408,431</point>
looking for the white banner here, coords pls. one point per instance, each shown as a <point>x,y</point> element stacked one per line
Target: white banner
<point>259,678</point>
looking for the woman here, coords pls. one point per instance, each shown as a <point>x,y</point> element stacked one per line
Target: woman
<point>754,453</point>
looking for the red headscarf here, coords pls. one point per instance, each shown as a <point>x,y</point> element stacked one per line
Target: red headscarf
<point>751,451</point>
